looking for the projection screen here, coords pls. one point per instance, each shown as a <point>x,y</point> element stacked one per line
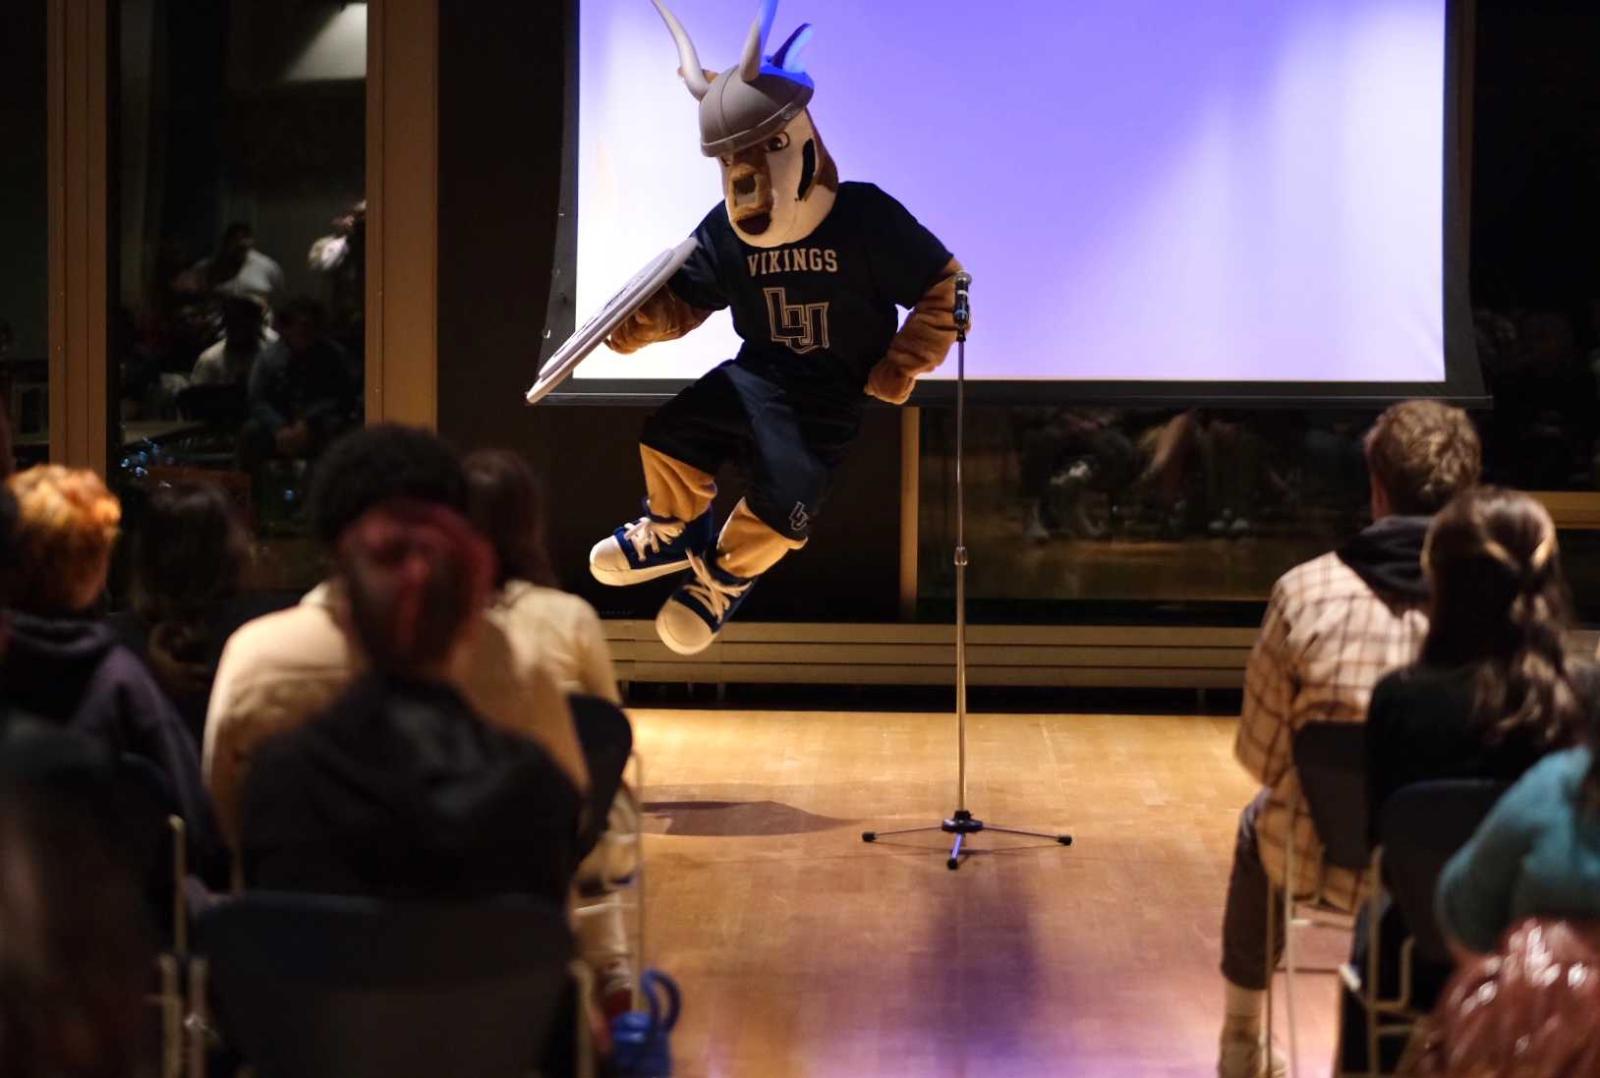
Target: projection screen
<point>1232,197</point>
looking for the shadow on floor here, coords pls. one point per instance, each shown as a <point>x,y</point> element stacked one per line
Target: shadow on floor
<point>721,819</point>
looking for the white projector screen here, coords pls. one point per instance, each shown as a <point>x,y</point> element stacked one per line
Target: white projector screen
<point>1229,191</point>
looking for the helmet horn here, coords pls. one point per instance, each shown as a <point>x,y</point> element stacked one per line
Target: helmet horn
<point>694,75</point>
<point>750,64</point>
<point>787,57</point>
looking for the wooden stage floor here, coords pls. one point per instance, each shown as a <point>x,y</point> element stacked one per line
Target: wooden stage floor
<point>803,951</point>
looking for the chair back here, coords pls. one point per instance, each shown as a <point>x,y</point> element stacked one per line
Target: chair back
<point>312,986</point>
<point>606,737</point>
<point>1420,827</point>
<point>1331,759</point>
<point>141,806</point>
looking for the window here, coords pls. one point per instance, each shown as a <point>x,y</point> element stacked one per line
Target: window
<point>24,232</point>
<point>238,256</point>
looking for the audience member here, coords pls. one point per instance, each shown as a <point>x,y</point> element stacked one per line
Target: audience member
<point>1333,627</point>
<point>1521,904</point>
<point>65,666</point>
<point>341,257</point>
<point>245,334</point>
<point>75,956</point>
<point>279,671</point>
<point>1493,691</point>
<point>398,789</point>
<point>562,632</point>
<point>560,629</point>
<point>1536,855</point>
<point>301,391</point>
<point>236,269</point>
<point>188,557</point>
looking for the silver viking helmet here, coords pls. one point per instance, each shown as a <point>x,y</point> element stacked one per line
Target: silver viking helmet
<point>736,113</point>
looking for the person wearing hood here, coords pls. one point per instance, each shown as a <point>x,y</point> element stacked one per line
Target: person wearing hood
<point>1334,626</point>
<point>63,665</point>
<point>399,789</point>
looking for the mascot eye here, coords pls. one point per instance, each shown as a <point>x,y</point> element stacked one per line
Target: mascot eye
<point>777,142</point>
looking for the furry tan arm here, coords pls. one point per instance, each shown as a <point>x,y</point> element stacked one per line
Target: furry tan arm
<point>664,317</point>
<point>922,342</point>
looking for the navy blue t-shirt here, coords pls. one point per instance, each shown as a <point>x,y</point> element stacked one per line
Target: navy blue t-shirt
<point>820,312</point>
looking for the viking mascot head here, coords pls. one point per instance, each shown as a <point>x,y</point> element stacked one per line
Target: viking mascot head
<point>777,178</point>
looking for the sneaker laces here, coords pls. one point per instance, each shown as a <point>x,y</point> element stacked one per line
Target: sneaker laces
<point>647,534</point>
<point>715,595</point>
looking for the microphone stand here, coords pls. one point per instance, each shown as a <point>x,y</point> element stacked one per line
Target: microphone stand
<point>962,822</point>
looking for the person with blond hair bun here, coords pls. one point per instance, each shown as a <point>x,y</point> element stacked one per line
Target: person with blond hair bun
<point>63,664</point>
<point>1492,693</point>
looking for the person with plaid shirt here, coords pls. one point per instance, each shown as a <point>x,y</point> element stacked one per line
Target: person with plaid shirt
<point>1334,626</point>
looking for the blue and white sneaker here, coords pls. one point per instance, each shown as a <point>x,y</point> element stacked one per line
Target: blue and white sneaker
<point>691,619</point>
<point>650,547</point>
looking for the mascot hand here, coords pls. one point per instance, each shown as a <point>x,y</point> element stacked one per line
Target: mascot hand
<point>664,317</point>
<point>889,383</point>
<point>921,344</point>
<point>633,334</point>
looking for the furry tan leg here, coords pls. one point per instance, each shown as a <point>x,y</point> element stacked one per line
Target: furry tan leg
<point>748,547</point>
<point>676,489</point>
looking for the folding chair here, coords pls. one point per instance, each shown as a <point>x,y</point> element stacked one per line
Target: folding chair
<point>130,804</point>
<point>1419,828</point>
<point>312,986</point>
<point>1330,759</point>
<point>153,842</point>
<point>607,738</point>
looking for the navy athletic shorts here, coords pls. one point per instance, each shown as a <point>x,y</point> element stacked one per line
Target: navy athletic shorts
<point>790,440</point>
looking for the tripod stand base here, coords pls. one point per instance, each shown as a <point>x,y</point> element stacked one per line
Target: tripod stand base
<point>961,824</point>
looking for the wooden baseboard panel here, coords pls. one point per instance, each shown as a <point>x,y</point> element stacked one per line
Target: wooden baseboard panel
<point>997,655</point>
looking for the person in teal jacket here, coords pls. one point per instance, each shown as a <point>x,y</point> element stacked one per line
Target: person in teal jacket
<point>1537,854</point>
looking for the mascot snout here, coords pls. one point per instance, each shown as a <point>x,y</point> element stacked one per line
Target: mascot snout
<point>749,197</point>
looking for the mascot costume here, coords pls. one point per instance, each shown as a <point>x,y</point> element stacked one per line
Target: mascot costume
<point>814,270</point>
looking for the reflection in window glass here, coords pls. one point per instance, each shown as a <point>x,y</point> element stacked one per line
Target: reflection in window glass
<point>238,252</point>
<point>1102,507</point>
<point>24,232</point>
<point>1535,228</point>
<point>1096,515</point>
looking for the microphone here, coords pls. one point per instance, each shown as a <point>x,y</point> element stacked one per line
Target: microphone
<point>963,308</point>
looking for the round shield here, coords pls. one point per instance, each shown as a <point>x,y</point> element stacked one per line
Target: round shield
<point>592,334</point>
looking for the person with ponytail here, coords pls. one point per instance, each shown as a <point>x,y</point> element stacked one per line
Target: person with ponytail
<point>562,632</point>
<point>189,555</point>
<point>400,790</point>
<point>1492,693</point>
<point>1494,690</point>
